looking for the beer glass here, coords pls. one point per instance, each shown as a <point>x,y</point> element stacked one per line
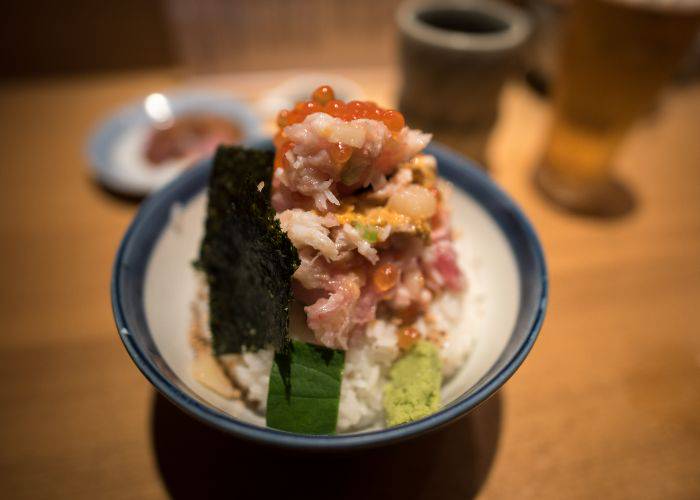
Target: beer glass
<point>616,56</point>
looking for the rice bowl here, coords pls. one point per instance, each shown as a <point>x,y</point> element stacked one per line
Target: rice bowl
<point>354,243</point>
<point>164,237</point>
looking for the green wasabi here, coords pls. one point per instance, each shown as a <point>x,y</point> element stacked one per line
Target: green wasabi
<point>413,390</point>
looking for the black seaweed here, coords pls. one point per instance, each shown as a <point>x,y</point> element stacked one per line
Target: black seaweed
<point>247,258</point>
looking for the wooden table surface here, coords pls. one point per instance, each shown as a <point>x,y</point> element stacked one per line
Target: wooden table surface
<point>607,405</point>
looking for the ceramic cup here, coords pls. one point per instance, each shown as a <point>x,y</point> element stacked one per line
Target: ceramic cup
<point>455,57</point>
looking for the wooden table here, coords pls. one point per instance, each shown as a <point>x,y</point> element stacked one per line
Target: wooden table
<point>606,406</point>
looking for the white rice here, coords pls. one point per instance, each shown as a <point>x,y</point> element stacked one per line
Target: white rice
<point>367,362</point>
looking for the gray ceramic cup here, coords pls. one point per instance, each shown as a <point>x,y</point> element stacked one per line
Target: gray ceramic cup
<point>455,57</point>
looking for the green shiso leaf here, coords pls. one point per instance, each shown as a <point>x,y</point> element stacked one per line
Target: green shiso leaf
<point>247,258</point>
<point>304,389</point>
<point>413,390</point>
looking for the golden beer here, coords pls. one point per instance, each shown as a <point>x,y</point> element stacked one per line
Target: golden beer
<point>615,57</point>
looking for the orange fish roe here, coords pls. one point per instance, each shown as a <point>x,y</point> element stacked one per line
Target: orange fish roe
<point>323,94</point>
<point>407,337</point>
<point>323,100</point>
<point>393,119</point>
<point>385,277</point>
<point>340,153</point>
<point>334,107</point>
<point>283,118</point>
<point>280,152</point>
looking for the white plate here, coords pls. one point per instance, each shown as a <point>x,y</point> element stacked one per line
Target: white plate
<point>115,149</point>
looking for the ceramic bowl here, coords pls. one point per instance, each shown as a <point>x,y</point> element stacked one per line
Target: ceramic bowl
<point>153,285</point>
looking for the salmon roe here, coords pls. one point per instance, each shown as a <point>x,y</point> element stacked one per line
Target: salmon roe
<point>385,277</point>
<point>340,153</point>
<point>280,153</point>
<point>393,120</point>
<point>323,100</point>
<point>407,337</point>
<point>323,94</point>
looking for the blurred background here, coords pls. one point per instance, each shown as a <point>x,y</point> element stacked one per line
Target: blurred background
<point>47,38</point>
<point>586,112</point>
<point>205,36</point>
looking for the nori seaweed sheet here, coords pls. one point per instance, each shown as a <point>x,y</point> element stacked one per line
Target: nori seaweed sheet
<point>247,258</point>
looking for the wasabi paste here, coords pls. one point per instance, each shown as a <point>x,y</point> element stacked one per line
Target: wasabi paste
<point>413,390</point>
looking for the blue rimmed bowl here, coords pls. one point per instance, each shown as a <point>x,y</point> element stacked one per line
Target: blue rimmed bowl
<point>153,286</point>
